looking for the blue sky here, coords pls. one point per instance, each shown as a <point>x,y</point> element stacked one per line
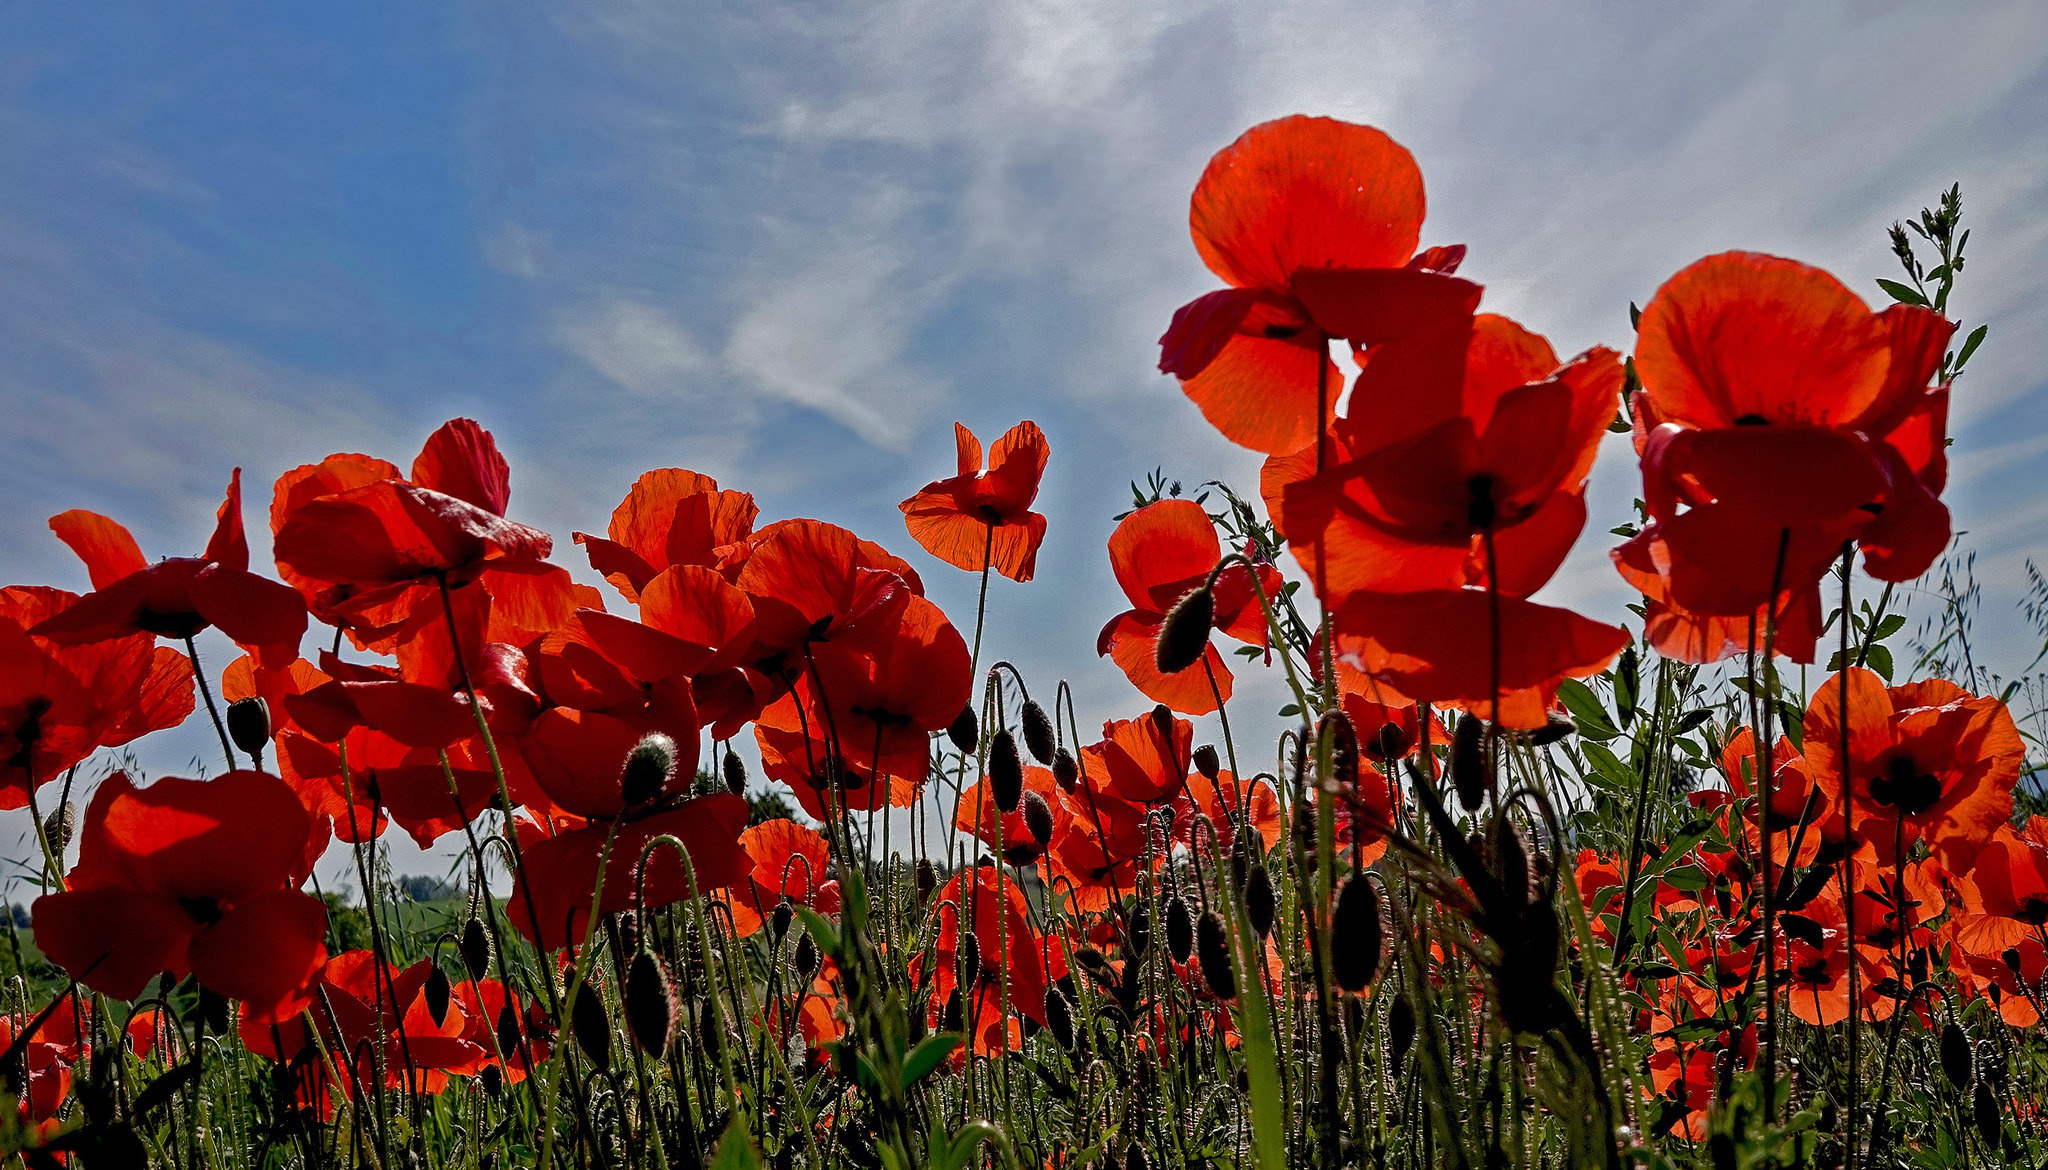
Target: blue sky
<point>789,244</point>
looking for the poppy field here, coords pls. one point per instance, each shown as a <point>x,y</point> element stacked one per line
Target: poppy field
<point>772,863</point>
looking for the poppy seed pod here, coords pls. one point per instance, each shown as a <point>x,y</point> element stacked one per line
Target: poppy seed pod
<point>1038,735</point>
<point>1065,772</point>
<point>1259,901</point>
<point>249,724</point>
<point>650,1000</point>
<point>1005,771</point>
<point>1343,740</point>
<point>591,1025</point>
<point>1180,930</point>
<point>1469,765</point>
<point>965,731</point>
<point>60,825</point>
<point>1358,934</point>
<point>1184,635</point>
<point>779,918</point>
<point>1206,762</point>
<point>475,945</point>
<point>1212,954</point>
<point>1389,743</point>
<point>1038,819</point>
<point>1958,1064</point>
<point>437,992</point>
<point>649,768</point>
<point>735,771</point>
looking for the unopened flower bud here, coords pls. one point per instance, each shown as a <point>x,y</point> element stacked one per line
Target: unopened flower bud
<point>1038,736</point>
<point>475,946</point>
<point>437,992</point>
<point>591,1025</point>
<point>965,731</point>
<point>1342,737</point>
<point>1180,929</point>
<point>1556,728</point>
<point>249,724</point>
<point>1469,764</point>
<point>1212,954</point>
<point>1065,772</point>
<point>1259,900</point>
<point>1206,762</point>
<point>1038,819</point>
<point>649,768</point>
<point>59,826</point>
<point>735,771</point>
<point>650,999</point>
<point>1358,934</point>
<point>1005,771</point>
<point>1184,636</point>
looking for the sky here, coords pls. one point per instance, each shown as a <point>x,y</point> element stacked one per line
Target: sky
<point>790,244</point>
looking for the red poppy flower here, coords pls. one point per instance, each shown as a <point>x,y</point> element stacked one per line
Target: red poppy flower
<point>995,911</point>
<point>982,518</point>
<point>46,1057</point>
<point>1794,798</point>
<point>1225,804</point>
<point>798,751</point>
<point>59,703</point>
<point>2005,895</point>
<point>552,894</point>
<point>1011,834</point>
<point>1928,761</point>
<point>179,597</point>
<point>788,861</point>
<point>670,517</point>
<point>1160,553</point>
<point>1436,646</point>
<point>700,607</point>
<point>491,1014</point>
<point>1645,562</point>
<point>813,582</point>
<point>883,697</point>
<point>193,876</point>
<point>1142,760</point>
<point>1313,223</point>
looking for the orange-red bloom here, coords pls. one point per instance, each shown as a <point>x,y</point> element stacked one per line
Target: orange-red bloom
<point>670,517</point>
<point>788,861</point>
<point>982,518</point>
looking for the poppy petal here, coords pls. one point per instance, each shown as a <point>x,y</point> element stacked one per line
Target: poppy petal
<point>108,550</point>
<point>114,940</point>
<point>262,950</point>
<point>462,460</point>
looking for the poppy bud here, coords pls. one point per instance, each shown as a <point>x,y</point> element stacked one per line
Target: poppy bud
<point>1358,934</point>
<point>1985,1112</point>
<point>1400,1027</point>
<point>1343,740</point>
<point>650,1000</point>
<point>1180,929</point>
<point>1206,762</point>
<point>735,770</point>
<point>1134,1158</point>
<point>508,1029</point>
<point>1212,954</point>
<point>649,768</point>
<point>970,958</point>
<point>1513,865</point>
<point>1065,772</point>
<point>492,1079</point>
<point>59,826</point>
<point>1957,1062</point>
<point>1005,771</point>
<point>1095,963</point>
<point>249,724</point>
<point>1389,743</point>
<point>1162,721</point>
<point>475,946</point>
<point>779,918</point>
<point>1038,735</point>
<point>1469,765</point>
<point>591,1025</point>
<point>1138,933</point>
<point>1184,636</point>
<point>436,993</point>
<point>1038,819</point>
<point>965,731</point>
<point>711,1030</point>
<point>1059,1017</point>
<point>806,958</point>
<point>926,877</point>
<point>951,1018</point>
<point>1258,900</point>
<point>1556,729</point>
<point>1305,832</point>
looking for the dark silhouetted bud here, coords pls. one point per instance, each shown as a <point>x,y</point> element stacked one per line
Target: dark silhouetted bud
<point>1206,762</point>
<point>436,992</point>
<point>493,1080</point>
<point>1059,1017</point>
<point>1258,900</point>
<point>1512,862</point>
<point>1005,771</point>
<point>1358,934</point>
<point>591,1025</point>
<point>1095,963</point>
<point>1989,1117</point>
<point>970,958</point>
<point>650,1001</point>
<point>1185,634</point>
<point>1038,819</point>
<point>1389,743</point>
<point>1180,929</point>
<point>951,1018</point>
<point>711,1030</point>
<point>965,731</point>
<point>1556,729</point>
<point>926,877</point>
<point>1304,826</point>
<point>1065,772</point>
<point>1138,932</point>
<point>735,771</point>
<point>1400,1027</point>
<point>1162,721</point>
<point>1212,954</point>
<point>475,945</point>
<point>1037,732</point>
<point>1469,765</point>
<point>649,768</point>
<point>806,958</point>
<point>1134,1158</point>
<point>249,724</point>
<point>1343,740</point>
<point>779,918</point>
<point>59,826</point>
<point>1957,1062</point>
<point>508,1030</point>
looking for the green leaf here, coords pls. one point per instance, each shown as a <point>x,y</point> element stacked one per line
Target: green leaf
<point>736,1150</point>
<point>1693,1030</point>
<point>928,1056</point>
<point>821,929</point>
<point>1904,294</point>
<point>1970,346</point>
<point>1880,660</point>
<point>1585,707</point>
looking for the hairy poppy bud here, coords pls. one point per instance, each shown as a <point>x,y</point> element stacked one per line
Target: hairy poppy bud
<point>1212,954</point>
<point>59,826</point>
<point>1180,929</point>
<point>1059,1017</point>
<point>951,1018</point>
<point>649,768</point>
<point>1259,901</point>
<point>1065,772</point>
<point>1556,729</point>
<point>1985,1112</point>
<point>1005,771</point>
<point>508,1030</point>
<point>1184,636</point>
<point>435,991</point>
<point>806,958</point>
<point>1400,1027</point>
<point>1469,765</point>
<point>711,1030</point>
<point>1038,735</point>
<point>591,1025</point>
<point>1162,721</point>
<point>1958,1064</point>
<point>475,945</point>
<point>1389,743</point>
<point>492,1079</point>
<point>650,1000</point>
<point>1358,934</point>
<point>249,724</point>
<point>779,918</point>
<point>1304,817</point>
<point>926,877</point>
<point>1095,963</point>
<point>970,958</point>
<point>1038,819</point>
<point>735,770</point>
<point>1343,741</point>
<point>1206,762</point>
<point>1138,933</point>
<point>1134,1157</point>
<point>1513,865</point>
<point>965,731</point>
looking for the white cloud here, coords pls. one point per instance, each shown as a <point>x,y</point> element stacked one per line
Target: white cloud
<point>639,347</point>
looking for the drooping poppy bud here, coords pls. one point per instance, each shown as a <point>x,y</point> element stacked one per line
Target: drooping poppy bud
<point>59,826</point>
<point>965,731</point>
<point>1958,1064</point>
<point>1038,819</point>
<point>970,958</point>
<point>1358,934</point>
<point>1304,828</point>
<point>493,1080</point>
<point>1469,765</point>
<point>1138,933</point>
<point>650,1001</point>
<point>508,1030</point>
<point>1180,929</point>
<point>249,724</point>
<point>1259,901</point>
<point>1513,863</point>
<point>711,1030</point>
<point>1038,736</point>
<point>735,770</point>
<point>1400,1027</point>
<point>1989,1117</point>
<point>1096,963</point>
<point>475,945</point>
<point>1343,740</point>
<point>1065,772</point>
<point>1184,635</point>
<point>779,919</point>
<point>1212,955</point>
<point>437,992</point>
<point>1059,1017</point>
<point>806,958</point>
<point>1206,762</point>
<point>649,768</point>
<point>1556,729</point>
<point>591,1024</point>
<point>1005,771</point>
<point>926,877</point>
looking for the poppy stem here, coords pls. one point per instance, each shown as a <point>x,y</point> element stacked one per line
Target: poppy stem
<point>1852,1115</point>
<point>199,676</point>
<point>1765,747</point>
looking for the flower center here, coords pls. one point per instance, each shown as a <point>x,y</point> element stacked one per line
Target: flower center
<point>1904,787</point>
